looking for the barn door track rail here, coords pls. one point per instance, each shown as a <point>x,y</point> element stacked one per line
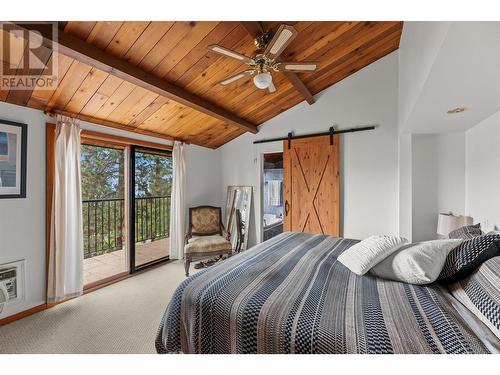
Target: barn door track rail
<point>331,132</point>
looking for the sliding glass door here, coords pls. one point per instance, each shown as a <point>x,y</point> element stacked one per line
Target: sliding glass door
<point>151,182</point>
<point>125,209</point>
<point>103,213</point>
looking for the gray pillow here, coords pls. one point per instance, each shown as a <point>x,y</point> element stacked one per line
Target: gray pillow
<point>467,232</point>
<point>416,263</point>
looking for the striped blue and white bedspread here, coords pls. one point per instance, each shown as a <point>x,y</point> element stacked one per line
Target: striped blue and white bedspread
<point>291,295</point>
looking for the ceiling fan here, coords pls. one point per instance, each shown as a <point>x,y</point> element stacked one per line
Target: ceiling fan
<point>266,58</point>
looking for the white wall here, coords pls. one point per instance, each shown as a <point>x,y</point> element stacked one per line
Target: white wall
<point>443,66</point>
<point>483,173</point>
<point>22,221</point>
<point>438,180</point>
<point>418,48</point>
<point>405,205</point>
<point>369,164</point>
<point>203,178</point>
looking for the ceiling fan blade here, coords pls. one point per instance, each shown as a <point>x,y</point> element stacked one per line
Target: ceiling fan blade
<point>271,88</point>
<point>230,53</point>
<point>280,41</point>
<point>236,77</point>
<point>297,66</point>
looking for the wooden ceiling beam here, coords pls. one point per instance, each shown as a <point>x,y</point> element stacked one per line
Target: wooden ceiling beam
<point>254,28</point>
<point>86,53</point>
<point>61,25</point>
<point>300,87</point>
<point>112,124</point>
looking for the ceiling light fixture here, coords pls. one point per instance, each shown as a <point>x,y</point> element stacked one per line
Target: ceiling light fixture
<point>262,80</point>
<point>456,110</point>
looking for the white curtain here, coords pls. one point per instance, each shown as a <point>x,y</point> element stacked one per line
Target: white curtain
<point>177,202</point>
<point>65,272</point>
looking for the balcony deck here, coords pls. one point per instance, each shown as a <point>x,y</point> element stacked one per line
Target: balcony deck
<point>110,264</point>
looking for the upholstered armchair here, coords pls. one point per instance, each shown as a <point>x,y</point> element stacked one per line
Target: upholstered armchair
<point>206,237</point>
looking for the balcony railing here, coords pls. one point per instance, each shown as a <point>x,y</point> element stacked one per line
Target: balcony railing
<point>103,223</point>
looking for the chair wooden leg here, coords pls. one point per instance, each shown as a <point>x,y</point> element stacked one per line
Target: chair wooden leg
<point>187,262</point>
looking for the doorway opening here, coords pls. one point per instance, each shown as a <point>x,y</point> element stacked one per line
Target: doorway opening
<point>125,209</point>
<point>272,197</point>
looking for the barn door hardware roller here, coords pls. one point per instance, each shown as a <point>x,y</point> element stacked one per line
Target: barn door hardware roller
<point>331,132</point>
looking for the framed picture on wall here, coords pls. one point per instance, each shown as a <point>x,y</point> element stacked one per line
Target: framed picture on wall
<point>13,144</point>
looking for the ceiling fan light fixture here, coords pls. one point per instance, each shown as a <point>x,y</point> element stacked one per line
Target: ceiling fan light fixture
<point>262,80</point>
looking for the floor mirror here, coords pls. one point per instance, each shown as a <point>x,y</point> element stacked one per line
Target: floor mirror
<point>238,203</point>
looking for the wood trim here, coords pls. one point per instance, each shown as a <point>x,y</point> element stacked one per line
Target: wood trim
<point>90,135</point>
<point>88,54</point>
<point>148,150</point>
<point>98,143</point>
<point>52,304</point>
<point>112,125</point>
<point>23,314</point>
<point>106,281</point>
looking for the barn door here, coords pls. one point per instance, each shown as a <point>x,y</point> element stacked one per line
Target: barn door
<point>311,177</point>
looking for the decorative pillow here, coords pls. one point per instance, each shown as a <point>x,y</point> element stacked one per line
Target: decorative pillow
<point>480,293</point>
<point>416,263</point>
<point>362,256</point>
<point>469,255</point>
<point>467,232</point>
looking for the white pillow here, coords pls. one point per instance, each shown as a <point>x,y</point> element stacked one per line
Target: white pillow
<point>416,263</point>
<point>362,256</point>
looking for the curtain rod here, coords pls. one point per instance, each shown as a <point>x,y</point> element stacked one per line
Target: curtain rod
<point>330,132</point>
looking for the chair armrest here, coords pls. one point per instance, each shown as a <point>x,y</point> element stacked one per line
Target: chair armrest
<point>187,238</point>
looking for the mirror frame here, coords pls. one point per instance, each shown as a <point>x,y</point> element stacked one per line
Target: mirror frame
<point>229,213</point>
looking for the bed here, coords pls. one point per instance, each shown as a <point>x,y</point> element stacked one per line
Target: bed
<point>291,295</point>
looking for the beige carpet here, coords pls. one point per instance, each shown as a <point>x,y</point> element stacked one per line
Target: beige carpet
<point>120,318</point>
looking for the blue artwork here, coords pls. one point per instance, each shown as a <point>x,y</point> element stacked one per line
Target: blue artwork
<point>4,144</point>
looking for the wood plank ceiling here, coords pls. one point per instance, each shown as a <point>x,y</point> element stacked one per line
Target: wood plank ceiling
<point>177,52</point>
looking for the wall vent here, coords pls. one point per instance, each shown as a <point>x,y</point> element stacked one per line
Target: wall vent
<point>12,281</point>
<point>8,279</point>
